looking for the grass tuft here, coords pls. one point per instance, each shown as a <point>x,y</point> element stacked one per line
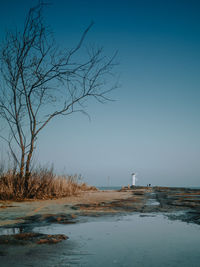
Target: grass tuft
<point>42,184</point>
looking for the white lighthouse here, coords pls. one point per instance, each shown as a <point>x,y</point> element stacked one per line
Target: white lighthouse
<point>133,179</point>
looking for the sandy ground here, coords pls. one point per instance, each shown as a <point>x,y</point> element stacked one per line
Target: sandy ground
<point>98,203</point>
<point>13,212</point>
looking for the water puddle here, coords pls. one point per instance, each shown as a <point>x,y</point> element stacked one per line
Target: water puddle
<point>128,240</point>
<point>10,231</point>
<point>152,201</point>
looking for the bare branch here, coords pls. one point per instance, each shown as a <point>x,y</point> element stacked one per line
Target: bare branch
<point>40,81</point>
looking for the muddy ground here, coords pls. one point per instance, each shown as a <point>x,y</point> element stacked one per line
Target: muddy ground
<point>20,218</point>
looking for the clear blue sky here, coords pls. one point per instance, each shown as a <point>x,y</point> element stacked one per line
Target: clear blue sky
<point>153,127</point>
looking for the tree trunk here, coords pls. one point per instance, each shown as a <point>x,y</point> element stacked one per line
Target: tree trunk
<point>21,172</point>
<point>28,161</point>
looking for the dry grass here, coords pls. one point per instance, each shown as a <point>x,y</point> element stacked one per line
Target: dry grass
<point>42,184</point>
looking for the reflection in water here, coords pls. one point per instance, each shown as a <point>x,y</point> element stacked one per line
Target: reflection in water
<point>9,231</point>
<point>119,241</point>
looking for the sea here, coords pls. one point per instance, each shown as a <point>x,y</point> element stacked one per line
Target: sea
<point>109,187</point>
<point>119,187</point>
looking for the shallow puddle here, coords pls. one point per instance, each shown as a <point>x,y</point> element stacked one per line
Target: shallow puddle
<point>152,201</point>
<point>129,240</point>
<point>9,231</point>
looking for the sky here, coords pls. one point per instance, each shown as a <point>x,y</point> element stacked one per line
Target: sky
<point>152,128</point>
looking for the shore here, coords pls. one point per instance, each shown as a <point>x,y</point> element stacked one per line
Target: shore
<point>19,219</point>
<point>13,213</point>
<point>63,232</point>
<point>27,214</point>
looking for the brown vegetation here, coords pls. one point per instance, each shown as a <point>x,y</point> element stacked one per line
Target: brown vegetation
<point>43,184</point>
<point>26,238</point>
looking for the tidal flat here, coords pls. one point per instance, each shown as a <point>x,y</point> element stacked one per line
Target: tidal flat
<point>131,227</point>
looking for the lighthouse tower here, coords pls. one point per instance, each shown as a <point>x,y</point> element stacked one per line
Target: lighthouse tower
<point>133,179</point>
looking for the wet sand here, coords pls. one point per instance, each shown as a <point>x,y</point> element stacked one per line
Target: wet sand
<point>15,212</point>
<point>100,203</point>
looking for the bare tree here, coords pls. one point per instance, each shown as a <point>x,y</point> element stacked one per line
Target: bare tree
<point>41,81</point>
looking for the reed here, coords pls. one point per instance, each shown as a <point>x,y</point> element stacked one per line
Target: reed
<point>42,184</point>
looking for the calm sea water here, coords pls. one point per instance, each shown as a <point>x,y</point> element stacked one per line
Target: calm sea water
<point>109,187</point>
<point>132,240</point>
<point>119,187</point>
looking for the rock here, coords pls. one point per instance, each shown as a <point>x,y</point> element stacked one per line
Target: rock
<point>26,238</point>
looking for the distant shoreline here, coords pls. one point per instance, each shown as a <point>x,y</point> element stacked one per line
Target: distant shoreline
<point>142,186</point>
